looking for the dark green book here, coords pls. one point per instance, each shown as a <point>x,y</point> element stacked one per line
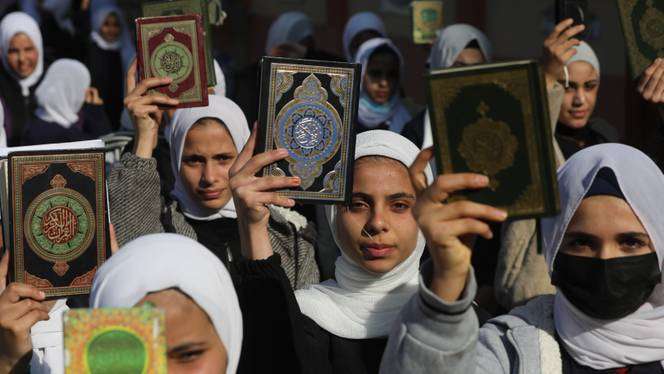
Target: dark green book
<point>185,7</point>
<point>494,120</point>
<point>643,26</point>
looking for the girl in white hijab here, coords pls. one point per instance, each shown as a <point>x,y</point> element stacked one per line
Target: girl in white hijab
<point>191,285</point>
<point>360,28</point>
<point>383,70</point>
<point>60,98</point>
<point>23,66</point>
<point>204,142</point>
<point>604,252</point>
<point>340,325</point>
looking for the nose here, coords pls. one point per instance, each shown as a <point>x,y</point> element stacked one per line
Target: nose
<point>608,251</point>
<point>209,175</point>
<point>579,97</point>
<point>377,221</point>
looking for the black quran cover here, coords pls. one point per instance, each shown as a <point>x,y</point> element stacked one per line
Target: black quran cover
<point>57,219</point>
<point>643,26</point>
<point>310,108</point>
<point>494,120</point>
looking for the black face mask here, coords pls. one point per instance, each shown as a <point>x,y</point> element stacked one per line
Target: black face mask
<point>606,289</point>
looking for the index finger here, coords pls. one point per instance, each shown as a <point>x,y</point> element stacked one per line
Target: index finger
<point>18,291</point>
<point>130,78</point>
<point>147,84</point>
<point>416,170</point>
<point>560,27</point>
<point>447,184</point>
<point>4,267</point>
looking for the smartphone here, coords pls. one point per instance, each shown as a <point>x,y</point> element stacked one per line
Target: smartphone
<point>576,10</point>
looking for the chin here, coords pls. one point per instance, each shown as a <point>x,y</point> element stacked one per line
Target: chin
<point>379,266</point>
<point>576,123</point>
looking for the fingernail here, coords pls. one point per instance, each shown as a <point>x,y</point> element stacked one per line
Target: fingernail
<point>295,180</point>
<point>482,179</point>
<point>42,294</point>
<point>283,152</point>
<point>502,214</point>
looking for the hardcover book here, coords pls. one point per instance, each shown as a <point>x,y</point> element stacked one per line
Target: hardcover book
<point>493,120</point>
<point>115,340</point>
<point>427,20</point>
<point>643,24</point>
<point>184,7</point>
<point>57,219</point>
<point>309,108</point>
<point>173,47</point>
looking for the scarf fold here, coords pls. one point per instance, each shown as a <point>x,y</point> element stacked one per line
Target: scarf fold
<point>360,304</point>
<point>290,27</point>
<point>158,262</point>
<point>61,95</point>
<point>370,114</point>
<point>224,110</point>
<point>639,337</point>
<point>16,23</point>
<point>452,40</point>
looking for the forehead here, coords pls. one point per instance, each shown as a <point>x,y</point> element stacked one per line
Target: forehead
<point>184,317</point>
<point>209,134</point>
<point>383,57</point>
<point>377,175</point>
<point>605,216</point>
<point>580,71</point>
<point>20,39</point>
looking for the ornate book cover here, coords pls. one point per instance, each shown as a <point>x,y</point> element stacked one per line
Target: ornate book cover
<point>173,46</point>
<point>643,26</point>
<point>115,340</point>
<point>310,107</point>
<point>183,7</point>
<point>493,120</point>
<point>57,219</point>
<point>427,20</point>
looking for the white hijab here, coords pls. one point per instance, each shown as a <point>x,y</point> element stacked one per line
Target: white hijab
<point>60,96</point>
<point>450,42</point>
<point>220,88</point>
<point>584,53</point>
<point>3,134</point>
<point>290,27</point>
<point>124,44</point>
<point>370,114</point>
<point>360,304</point>
<point>47,337</point>
<point>356,24</point>
<point>157,262</point>
<point>15,23</point>
<point>639,337</point>
<point>226,111</point>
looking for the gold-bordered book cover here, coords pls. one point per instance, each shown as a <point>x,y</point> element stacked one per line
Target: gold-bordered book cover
<point>153,8</point>
<point>494,120</point>
<point>642,24</point>
<point>115,340</point>
<point>427,19</point>
<point>310,108</point>
<point>173,46</point>
<point>58,220</point>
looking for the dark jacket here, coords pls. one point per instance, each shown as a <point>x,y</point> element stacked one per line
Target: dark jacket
<point>92,124</point>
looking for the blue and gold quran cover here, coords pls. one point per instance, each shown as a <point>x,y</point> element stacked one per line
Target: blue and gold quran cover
<point>643,26</point>
<point>57,220</point>
<point>310,107</point>
<point>115,340</point>
<point>494,120</point>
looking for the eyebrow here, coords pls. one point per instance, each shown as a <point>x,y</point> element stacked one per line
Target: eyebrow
<point>395,196</point>
<point>184,347</point>
<point>622,235</point>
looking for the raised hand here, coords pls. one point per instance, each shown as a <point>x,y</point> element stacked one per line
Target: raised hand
<point>145,110</point>
<point>252,195</point>
<point>448,226</point>
<point>20,309</point>
<point>651,86</point>
<point>559,47</point>
<point>92,97</point>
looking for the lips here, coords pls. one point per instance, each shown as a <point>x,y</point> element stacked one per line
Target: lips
<point>578,114</point>
<point>376,251</point>
<point>209,195</point>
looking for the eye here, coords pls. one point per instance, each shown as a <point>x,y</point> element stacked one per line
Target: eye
<point>590,86</point>
<point>400,206</point>
<point>632,243</point>
<point>188,356</point>
<point>579,244</point>
<point>358,205</point>
<point>192,160</point>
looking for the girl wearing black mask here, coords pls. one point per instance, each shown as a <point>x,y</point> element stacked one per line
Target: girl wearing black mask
<point>604,252</point>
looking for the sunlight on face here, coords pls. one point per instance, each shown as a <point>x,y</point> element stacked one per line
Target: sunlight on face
<point>378,229</point>
<point>22,56</point>
<point>605,227</point>
<point>581,95</point>
<point>207,157</point>
<point>193,345</point>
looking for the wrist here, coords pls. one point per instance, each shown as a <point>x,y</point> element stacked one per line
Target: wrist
<point>449,284</point>
<point>145,145</point>
<point>256,241</point>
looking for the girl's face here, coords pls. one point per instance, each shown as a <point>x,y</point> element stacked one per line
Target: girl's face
<point>382,76</point>
<point>193,343</point>
<point>22,55</point>
<point>377,230</point>
<point>581,95</point>
<point>469,57</point>
<point>207,157</point>
<point>605,227</point>
<point>110,29</point>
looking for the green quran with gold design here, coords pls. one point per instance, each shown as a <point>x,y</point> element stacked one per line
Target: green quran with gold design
<point>57,220</point>
<point>183,7</point>
<point>115,340</point>
<point>493,120</point>
<point>309,108</point>
<point>643,26</point>
<point>427,18</point>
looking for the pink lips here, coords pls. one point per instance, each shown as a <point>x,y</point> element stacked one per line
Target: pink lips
<point>210,195</point>
<point>377,251</point>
